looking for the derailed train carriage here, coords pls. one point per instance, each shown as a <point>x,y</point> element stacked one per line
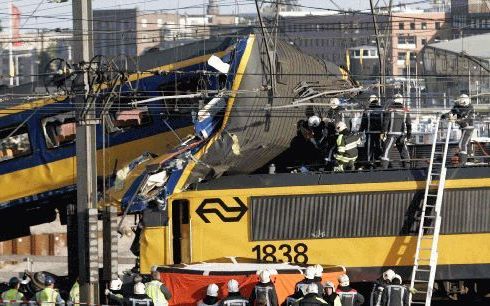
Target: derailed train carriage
<point>213,206</point>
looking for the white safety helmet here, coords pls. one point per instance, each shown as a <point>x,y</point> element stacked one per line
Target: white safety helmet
<point>233,286</point>
<point>464,100</point>
<point>314,121</point>
<point>212,290</point>
<point>334,102</point>
<point>344,280</point>
<point>373,99</point>
<point>340,126</point>
<point>318,270</point>
<point>265,276</point>
<point>139,288</point>
<point>310,272</point>
<point>116,284</point>
<point>398,99</point>
<point>398,277</point>
<point>388,275</point>
<point>312,288</point>
<point>329,284</point>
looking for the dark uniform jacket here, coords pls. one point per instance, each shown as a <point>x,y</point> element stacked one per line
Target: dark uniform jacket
<point>397,121</point>
<point>311,299</point>
<point>349,296</point>
<point>265,291</point>
<point>300,288</point>
<point>372,119</point>
<point>464,115</point>
<point>395,295</point>
<point>234,299</point>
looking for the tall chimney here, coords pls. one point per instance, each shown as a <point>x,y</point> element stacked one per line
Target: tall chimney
<point>213,8</point>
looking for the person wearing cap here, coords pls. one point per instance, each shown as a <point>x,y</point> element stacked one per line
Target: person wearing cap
<point>379,286</point>
<point>13,293</point>
<point>157,291</point>
<point>329,294</point>
<point>114,293</point>
<point>138,298</point>
<point>395,294</point>
<point>48,296</point>
<point>234,297</point>
<point>347,151</point>
<point>311,297</point>
<point>348,295</point>
<point>397,128</point>
<point>211,298</point>
<point>463,114</point>
<point>371,125</point>
<point>264,290</point>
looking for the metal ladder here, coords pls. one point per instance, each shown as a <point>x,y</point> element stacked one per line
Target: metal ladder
<point>425,263</point>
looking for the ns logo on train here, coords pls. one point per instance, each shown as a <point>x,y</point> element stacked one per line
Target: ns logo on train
<point>227,213</point>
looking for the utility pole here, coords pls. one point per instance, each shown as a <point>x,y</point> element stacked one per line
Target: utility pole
<point>86,155</point>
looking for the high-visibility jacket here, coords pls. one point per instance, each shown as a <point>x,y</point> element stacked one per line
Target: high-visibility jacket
<point>153,290</point>
<point>48,297</point>
<point>347,147</point>
<point>75,293</point>
<point>12,295</point>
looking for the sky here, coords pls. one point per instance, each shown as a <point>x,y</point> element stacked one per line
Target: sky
<point>57,15</point>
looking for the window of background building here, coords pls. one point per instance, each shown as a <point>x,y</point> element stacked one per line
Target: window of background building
<point>412,25</point>
<point>424,26</point>
<point>401,26</point>
<point>159,23</point>
<point>438,25</point>
<point>144,23</point>
<point>424,41</point>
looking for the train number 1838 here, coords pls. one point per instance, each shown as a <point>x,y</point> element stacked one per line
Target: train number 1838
<point>283,253</point>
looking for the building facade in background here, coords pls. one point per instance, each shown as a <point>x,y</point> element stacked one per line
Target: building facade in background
<point>470,17</point>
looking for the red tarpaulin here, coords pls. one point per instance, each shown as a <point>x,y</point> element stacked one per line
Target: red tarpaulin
<point>188,288</point>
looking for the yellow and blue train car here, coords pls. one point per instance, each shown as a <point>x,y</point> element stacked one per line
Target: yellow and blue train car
<point>365,221</point>
<point>37,149</point>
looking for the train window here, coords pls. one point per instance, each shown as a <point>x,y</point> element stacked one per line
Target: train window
<point>59,130</point>
<point>123,119</point>
<point>14,142</point>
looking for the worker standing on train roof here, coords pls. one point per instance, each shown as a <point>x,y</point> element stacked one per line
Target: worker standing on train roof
<point>264,290</point>
<point>114,293</point>
<point>379,286</point>
<point>234,297</point>
<point>211,298</point>
<point>13,293</point>
<point>311,298</point>
<point>395,294</point>
<point>48,296</point>
<point>348,295</point>
<point>347,152</point>
<point>371,125</point>
<point>334,115</point>
<point>463,114</point>
<point>397,128</point>
<point>330,295</point>
<point>157,291</point>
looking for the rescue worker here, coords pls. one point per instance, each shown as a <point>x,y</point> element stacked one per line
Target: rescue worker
<point>317,127</point>
<point>395,294</point>
<point>318,277</point>
<point>330,295</point>
<point>347,152</point>
<point>157,291</point>
<point>75,293</point>
<point>300,288</point>
<point>48,296</point>
<point>311,297</point>
<point>348,295</point>
<point>463,114</point>
<point>397,128</point>
<point>335,114</point>
<point>138,298</point>
<point>379,286</point>
<point>13,293</point>
<point>211,298</point>
<point>371,125</point>
<point>234,297</point>
<point>115,290</point>
<point>264,290</point>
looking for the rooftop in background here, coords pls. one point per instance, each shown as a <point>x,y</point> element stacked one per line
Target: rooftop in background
<point>475,46</point>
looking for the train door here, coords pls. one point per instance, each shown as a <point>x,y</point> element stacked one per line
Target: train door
<point>181,231</point>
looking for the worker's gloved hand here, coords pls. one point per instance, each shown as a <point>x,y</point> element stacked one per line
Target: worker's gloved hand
<point>382,136</point>
<point>338,169</point>
<point>412,290</point>
<point>107,291</point>
<point>453,117</point>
